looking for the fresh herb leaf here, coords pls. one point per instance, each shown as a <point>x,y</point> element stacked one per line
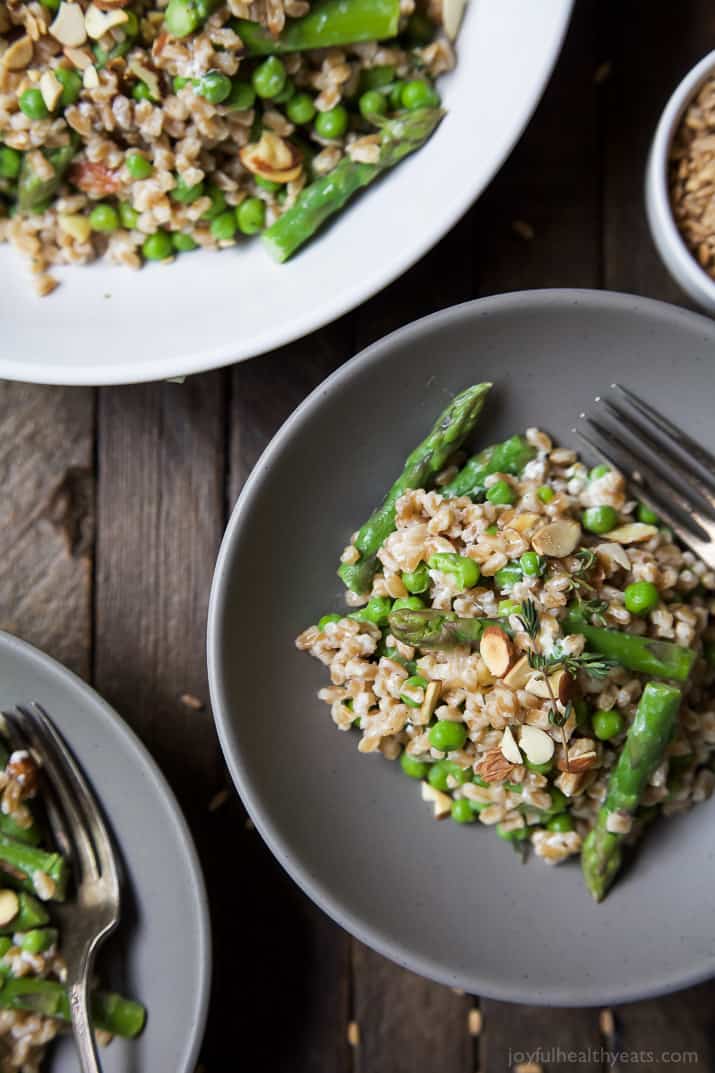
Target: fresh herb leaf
<point>529,618</point>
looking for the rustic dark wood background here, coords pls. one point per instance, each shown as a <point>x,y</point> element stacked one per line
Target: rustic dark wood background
<point>115,501</point>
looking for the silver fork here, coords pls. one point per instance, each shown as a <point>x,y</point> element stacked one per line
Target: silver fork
<point>674,474</point>
<point>81,834</point>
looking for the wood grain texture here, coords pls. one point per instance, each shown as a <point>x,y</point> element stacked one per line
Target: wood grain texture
<point>47,518</point>
<point>561,1041</point>
<point>678,1030</point>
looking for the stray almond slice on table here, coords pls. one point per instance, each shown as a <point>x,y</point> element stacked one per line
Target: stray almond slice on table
<point>557,539</point>
<point>441,803</point>
<point>635,533</point>
<point>536,744</point>
<point>496,650</point>
<point>509,748</point>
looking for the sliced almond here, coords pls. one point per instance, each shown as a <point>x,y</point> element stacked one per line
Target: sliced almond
<point>51,90</point>
<point>90,78</point>
<point>9,906</point>
<point>78,58</point>
<point>559,685</point>
<point>635,533</point>
<point>441,803</point>
<point>18,55</point>
<point>272,158</point>
<point>75,225</point>
<point>578,764</point>
<point>494,766</point>
<point>537,744</point>
<point>612,554</point>
<point>97,22</point>
<point>452,12</point>
<point>519,674</point>
<point>496,650</point>
<point>509,748</point>
<point>557,539</point>
<point>522,521</point>
<point>147,75</point>
<point>68,25</point>
<point>432,693</point>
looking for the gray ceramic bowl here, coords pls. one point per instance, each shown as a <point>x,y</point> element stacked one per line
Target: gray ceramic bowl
<point>449,902</point>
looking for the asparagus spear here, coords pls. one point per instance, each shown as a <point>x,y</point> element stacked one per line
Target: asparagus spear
<point>424,463</point>
<point>508,457</point>
<point>110,1012</point>
<point>642,752</point>
<point>437,629</point>
<point>31,914</point>
<point>23,862</point>
<point>328,24</point>
<point>399,135</point>
<point>661,659</point>
<point>32,190</point>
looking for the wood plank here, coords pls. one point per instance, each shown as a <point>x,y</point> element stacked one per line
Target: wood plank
<point>514,1035</point>
<point>47,518</point>
<point>408,1024</point>
<point>674,1030</point>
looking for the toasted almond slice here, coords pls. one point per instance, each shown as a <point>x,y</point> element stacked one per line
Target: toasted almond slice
<point>452,12</point>
<point>557,539</point>
<point>537,744</point>
<point>68,25</point>
<point>97,22</point>
<point>635,533</point>
<point>522,521</point>
<point>51,90</point>
<point>78,58</point>
<point>441,803</point>
<point>494,766</point>
<point>76,225</point>
<point>509,747</point>
<point>560,683</point>
<point>431,698</point>
<point>9,906</point>
<point>519,674</point>
<point>272,158</point>
<point>612,554</point>
<point>18,55</point>
<point>496,650</point>
<point>90,78</point>
<point>570,782</point>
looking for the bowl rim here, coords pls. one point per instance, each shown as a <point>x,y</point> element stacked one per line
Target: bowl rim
<point>373,935</point>
<point>671,245</point>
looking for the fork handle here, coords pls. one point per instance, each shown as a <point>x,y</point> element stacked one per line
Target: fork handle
<point>79,1009</point>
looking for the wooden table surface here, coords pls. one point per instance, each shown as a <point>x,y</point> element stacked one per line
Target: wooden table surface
<point>114,504</point>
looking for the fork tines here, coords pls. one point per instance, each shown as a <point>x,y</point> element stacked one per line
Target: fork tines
<point>674,474</point>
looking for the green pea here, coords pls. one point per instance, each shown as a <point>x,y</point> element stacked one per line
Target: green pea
<point>286,93</point>
<point>71,83</point>
<point>447,736</point>
<point>138,166</point>
<point>501,493</point>
<point>561,823</point>
<point>599,519</point>
<point>242,96</point>
<point>214,86</point>
<point>416,682</point>
<point>178,83</point>
<point>465,570</point>
<point>376,610</point>
<point>267,184</point>
<point>186,195</point>
<point>545,493</point>
<point>269,78</point>
<point>395,96</point>
<point>38,940</point>
<point>492,530</point>
<point>462,811</point>
<point>641,597</point>
<point>479,806</point>
<point>224,227</point>
<point>418,94</point>
<point>251,216</point>
<point>513,787</point>
<point>646,515</point>
<point>540,769</point>
<point>183,243</point>
<point>372,103</point>
<point>508,607</point>
<point>218,203</point>
<point>416,769</point>
<point>531,563</point>
<point>332,124</point>
<point>10,161</point>
<point>582,710</point>
<point>709,653</point>
<point>559,801</point>
<point>104,217</point>
<point>323,622</point>
<point>514,834</point>
<point>128,216</point>
<point>32,104</point>
<point>141,92</point>
<point>301,109</point>
<point>599,471</point>
<point>157,247</point>
<point>376,78</point>
<point>509,576</point>
<point>443,771</point>
<point>420,28</point>
<point>181,18</point>
<point>418,580</point>
<point>607,724</point>
<point>409,603</point>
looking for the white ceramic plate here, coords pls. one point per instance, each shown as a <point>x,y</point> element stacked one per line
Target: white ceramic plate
<point>108,325</point>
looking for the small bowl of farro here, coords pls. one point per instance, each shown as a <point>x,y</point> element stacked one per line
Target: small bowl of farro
<point>504,636</point>
<point>680,184</point>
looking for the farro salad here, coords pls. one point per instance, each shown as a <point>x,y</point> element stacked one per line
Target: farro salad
<point>531,644</point>
<point>34,1005</point>
<point>147,128</point>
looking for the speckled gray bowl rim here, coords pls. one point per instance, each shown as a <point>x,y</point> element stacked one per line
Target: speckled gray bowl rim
<point>259,811</point>
<point>145,767</point>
